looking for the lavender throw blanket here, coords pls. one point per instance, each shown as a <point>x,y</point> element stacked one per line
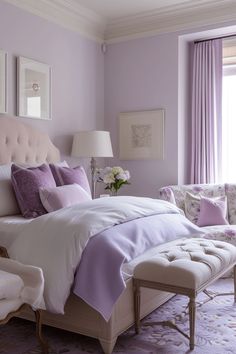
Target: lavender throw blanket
<point>99,280</point>
<point>55,241</point>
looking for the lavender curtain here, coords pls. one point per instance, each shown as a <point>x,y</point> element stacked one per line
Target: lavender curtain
<point>206,112</point>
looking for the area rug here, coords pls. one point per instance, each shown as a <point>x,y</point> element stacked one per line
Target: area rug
<point>215,331</point>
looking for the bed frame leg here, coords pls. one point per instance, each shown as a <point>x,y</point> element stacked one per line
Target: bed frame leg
<point>38,320</point>
<point>137,296</point>
<point>108,346</point>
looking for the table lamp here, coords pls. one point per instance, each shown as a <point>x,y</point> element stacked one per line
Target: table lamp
<point>94,143</point>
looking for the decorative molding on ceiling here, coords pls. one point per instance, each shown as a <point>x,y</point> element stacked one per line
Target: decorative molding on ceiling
<point>67,13</point>
<point>171,19</point>
<point>71,15</point>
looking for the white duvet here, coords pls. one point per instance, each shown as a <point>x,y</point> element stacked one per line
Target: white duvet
<point>55,241</point>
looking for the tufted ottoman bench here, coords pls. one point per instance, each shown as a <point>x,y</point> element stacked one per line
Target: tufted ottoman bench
<point>185,268</point>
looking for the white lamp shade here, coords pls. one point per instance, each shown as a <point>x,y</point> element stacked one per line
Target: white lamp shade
<point>94,143</point>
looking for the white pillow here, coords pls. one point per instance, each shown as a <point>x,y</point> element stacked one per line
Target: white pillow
<point>8,203</point>
<point>54,198</point>
<point>62,164</point>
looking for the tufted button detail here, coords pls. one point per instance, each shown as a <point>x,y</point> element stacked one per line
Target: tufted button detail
<point>188,264</point>
<point>20,139</point>
<point>203,244</point>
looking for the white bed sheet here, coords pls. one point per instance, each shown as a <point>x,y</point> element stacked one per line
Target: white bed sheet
<point>10,227</point>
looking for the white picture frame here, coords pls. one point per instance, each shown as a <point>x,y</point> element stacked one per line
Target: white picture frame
<point>141,135</point>
<point>3,81</point>
<point>33,89</point>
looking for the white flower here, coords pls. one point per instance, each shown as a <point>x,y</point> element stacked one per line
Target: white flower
<point>121,176</point>
<point>107,170</point>
<point>109,178</point>
<point>127,174</point>
<point>117,170</point>
<point>124,176</point>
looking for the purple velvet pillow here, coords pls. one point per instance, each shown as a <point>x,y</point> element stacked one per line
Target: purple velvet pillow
<point>26,183</point>
<point>67,175</point>
<point>213,211</point>
<point>61,197</point>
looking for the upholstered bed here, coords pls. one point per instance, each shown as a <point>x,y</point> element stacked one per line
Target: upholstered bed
<point>20,143</point>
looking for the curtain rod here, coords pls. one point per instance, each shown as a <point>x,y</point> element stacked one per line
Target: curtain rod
<point>210,39</point>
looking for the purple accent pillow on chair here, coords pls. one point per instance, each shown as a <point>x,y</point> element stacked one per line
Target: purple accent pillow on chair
<point>213,211</point>
<point>61,197</point>
<point>26,183</point>
<point>167,194</point>
<point>67,175</point>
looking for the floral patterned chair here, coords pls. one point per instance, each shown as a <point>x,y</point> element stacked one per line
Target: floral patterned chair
<point>177,194</point>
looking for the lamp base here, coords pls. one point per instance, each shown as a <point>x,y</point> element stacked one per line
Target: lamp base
<point>93,166</point>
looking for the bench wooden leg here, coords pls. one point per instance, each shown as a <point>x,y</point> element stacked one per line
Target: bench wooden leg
<point>38,318</point>
<point>137,306</point>
<point>192,315</point>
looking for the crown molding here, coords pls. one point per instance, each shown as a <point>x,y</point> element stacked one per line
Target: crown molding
<point>170,19</point>
<point>71,15</point>
<point>67,13</point>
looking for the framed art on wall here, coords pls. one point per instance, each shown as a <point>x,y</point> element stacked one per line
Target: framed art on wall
<point>3,81</point>
<point>34,89</point>
<point>142,135</point>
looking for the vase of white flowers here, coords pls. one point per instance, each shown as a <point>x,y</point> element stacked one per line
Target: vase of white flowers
<point>113,177</point>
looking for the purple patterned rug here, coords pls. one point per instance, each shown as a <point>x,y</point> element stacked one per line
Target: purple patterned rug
<point>215,331</point>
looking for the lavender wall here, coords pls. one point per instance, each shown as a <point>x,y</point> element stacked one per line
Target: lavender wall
<point>143,74</point>
<point>140,74</point>
<point>150,73</point>
<point>77,72</point>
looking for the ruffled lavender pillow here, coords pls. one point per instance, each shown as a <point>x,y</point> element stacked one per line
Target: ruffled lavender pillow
<point>213,211</point>
<point>61,197</point>
<point>26,183</point>
<point>67,175</point>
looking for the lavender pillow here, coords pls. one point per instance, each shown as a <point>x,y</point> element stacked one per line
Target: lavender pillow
<point>26,183</point>
<point>67,175</point>
<point>213,211</point>
<point>61,197</point>
<point>167,194</point>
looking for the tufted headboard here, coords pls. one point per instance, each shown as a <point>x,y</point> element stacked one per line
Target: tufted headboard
<point>21,143</point>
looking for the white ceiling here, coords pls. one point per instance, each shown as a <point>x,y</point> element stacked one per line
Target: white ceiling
<point>112,9</point>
